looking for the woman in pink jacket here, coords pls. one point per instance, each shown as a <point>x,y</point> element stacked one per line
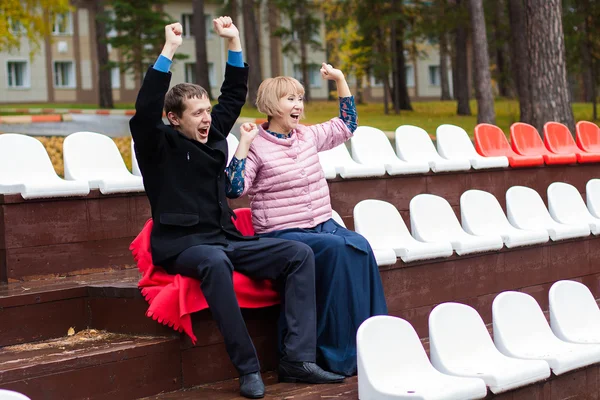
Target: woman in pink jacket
<point>278,167</point>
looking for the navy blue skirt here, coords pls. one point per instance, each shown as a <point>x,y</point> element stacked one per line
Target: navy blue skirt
<point>348,289</point>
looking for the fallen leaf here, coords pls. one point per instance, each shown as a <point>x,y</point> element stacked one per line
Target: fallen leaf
<point>71,331</point>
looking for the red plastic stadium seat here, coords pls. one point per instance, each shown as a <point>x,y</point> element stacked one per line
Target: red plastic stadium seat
<point>490,142</point>
<point>526,141</point>
<point>588,136</point>
<point>558,140</point>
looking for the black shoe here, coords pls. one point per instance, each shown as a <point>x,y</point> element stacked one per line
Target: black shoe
<point>307,372</point>
<point>252,386</point>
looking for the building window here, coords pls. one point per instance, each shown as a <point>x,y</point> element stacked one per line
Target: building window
<point>64,74</point>
<point>314,76</point>
<point>115,78</point>
<point>434,75</point>
<point>190,74</point>
<point>63,24</point>
<point>15,27</point>
<point>18,74</point>
<point>410,76</point>
<point>187,21</point>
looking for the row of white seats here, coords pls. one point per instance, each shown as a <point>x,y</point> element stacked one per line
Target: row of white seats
<point>392,363</point>
<point>373,155</point>
<point>91,161</point>
<point>436,231</point>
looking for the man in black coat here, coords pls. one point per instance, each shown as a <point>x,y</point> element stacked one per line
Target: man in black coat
<point>183,168</point>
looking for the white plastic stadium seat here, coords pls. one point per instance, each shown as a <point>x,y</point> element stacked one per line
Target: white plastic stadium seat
<point>592,193</point>
<point>340,162</point>
<point>232,145</point>
<point>481,215</point>
<point>383,256</point>
<point>413,144</point>
<point>392,364</point>
<point>521,331</point>
<point>574,313</point>
<point>95,158</point>
<point>10,395</point>
<point>382,225</point>
<point>135,167</point>
<point>433,220</point>
<point>26,168</point>
<point>370,146</point>
<point>567,207</point>
<point>454,143</point>
<point>460,345</point>
<point>526,210</point>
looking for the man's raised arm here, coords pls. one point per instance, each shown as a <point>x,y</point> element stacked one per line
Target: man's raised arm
<point>235,85</point>
<point>149,105</point>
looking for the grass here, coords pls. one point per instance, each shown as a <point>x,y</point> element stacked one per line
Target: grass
<point>428,115</point>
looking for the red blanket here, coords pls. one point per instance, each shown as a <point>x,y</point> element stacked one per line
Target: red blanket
<point>173,298</point>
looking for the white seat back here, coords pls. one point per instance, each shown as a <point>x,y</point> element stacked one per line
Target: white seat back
<point>232,145</point>
<point>518,320</point>
<point>135,167</point>
<point>414,144</point>
<point>10,395</point>
<point>371,146</point>
<point>526,209</point>
<point>592,191</point>
<point>90,155</point>
<point>23,158</point>
<point>336,217</point>
<point>453,142</point>
<point>481,213</point>
<point>432,219</point>
<point>456,330</point>
<point>574,313</point>
<point>380,223</point>
<point>567,206</point>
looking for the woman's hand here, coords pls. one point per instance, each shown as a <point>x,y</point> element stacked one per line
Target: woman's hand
<point>330,73</point>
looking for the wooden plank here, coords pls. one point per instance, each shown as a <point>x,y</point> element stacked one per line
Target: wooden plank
<point>69,259</point>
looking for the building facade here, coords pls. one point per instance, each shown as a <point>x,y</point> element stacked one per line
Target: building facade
<point>65,70</point>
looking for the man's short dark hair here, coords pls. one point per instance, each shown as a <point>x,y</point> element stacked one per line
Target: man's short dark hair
<point>175,98</point>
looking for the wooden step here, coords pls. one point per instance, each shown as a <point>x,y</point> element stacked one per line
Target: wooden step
<point>229,390</point>
<point>92,365</point>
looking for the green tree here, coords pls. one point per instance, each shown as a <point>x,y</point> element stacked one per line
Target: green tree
<point>29,19</point>
<point>140,26</point>
<point>301,35</point>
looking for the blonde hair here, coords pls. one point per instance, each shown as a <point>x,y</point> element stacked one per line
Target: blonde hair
<point>271,90</point>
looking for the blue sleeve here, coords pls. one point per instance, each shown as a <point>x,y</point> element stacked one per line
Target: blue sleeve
<point>235,59</point>
<point>348,112</point>
<point>162,64</point>
<point>235,178</point>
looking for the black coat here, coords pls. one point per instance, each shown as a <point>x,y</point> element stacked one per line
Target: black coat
<point>185,179</point>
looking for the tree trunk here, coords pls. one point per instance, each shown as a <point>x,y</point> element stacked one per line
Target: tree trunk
<point>500,40</point>
<point>548,72</point>
<point>274,41</point>
<point>199,30</point>
<point>586,70</point>
<point>404,98</point>
<point>445,84</point>
<point>105,97</point>
<point>461,90</point>
<point>252,52</point>
<point>394,49</point>
<point>520,57</point>
<point>234,11</point>
<point>483,79</point>
<point>303,36</point>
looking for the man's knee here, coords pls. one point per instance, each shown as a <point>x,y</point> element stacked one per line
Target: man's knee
<point>302,250</point>
<point>215,267</point>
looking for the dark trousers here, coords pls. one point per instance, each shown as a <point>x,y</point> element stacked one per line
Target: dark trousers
<point>290,264</point>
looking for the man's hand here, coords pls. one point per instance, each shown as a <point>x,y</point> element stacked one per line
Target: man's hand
<point>173,34</point>
<point>330,73</point>
<point>225,28</point>
<point>248,132</point>
<point>173,39</point>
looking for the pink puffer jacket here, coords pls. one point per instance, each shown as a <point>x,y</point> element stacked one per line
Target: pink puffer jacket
<point>284,179</point>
